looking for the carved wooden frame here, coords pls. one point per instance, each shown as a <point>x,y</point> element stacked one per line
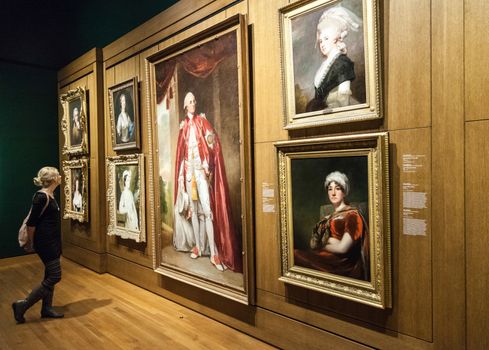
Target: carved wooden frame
<point>245,294</point>
<point>132,84</point>
<point>371,108</point>
<point>69,212</point>
<point>112,205</point>
<point>376,290</point>
<point>66,99</point>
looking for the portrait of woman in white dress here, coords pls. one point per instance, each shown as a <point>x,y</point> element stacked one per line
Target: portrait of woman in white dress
<point>77,196</point>
<point>125,122</point>
<point>127,205</point>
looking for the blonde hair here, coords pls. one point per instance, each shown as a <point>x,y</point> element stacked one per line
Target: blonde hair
<point>46,176</point>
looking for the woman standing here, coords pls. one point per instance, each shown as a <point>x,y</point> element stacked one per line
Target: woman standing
<point>339,242</point>
<point>43,227</point>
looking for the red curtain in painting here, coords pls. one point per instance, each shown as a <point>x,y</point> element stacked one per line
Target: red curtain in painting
<point>199,62</point>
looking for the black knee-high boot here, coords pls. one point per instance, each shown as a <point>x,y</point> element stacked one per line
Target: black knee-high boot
<point>20,306</point>
<point>47,310</point>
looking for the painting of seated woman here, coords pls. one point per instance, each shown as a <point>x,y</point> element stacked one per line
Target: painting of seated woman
<point>332,236</point>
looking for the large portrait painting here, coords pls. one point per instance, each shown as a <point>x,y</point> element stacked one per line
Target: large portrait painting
<point>125,196</point>
<point>335,230</point>
<point>331,63</point>
<point>74,123</point>
<point>202,167</point>
<point>76,189</point>
<point>124,115</point>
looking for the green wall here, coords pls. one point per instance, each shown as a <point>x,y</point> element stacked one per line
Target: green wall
<point>30,56</point>
<point>28,141</point>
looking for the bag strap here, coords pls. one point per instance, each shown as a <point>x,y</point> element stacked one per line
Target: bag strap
<point>46,205</point>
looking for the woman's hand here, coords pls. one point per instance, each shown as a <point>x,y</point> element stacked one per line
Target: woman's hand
<point>29,247</point>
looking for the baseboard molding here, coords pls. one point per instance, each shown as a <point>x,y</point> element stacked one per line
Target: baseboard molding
<point>266,325</point>
<point>88,258</point>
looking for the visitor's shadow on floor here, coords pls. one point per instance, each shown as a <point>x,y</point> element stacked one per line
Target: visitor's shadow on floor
<point>82,307</point>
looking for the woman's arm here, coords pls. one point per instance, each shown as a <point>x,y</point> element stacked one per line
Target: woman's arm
<point>340,247</point>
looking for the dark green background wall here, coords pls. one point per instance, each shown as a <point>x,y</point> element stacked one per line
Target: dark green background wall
<point>37,38</point>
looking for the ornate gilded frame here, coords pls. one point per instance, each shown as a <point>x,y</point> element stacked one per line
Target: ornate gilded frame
<point>134,161</point>
<point>129,87</point>
<point>77,97</point>
<point>244,293</point>
<point>301,54</point>
<point>325,155</point>
<point>82,166</point>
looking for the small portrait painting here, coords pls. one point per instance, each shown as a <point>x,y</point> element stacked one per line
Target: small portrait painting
<point>124,115</point>
<point>75,106</point>
<point>74,124</point>
<point>77,189</point>
<point>127,197</point>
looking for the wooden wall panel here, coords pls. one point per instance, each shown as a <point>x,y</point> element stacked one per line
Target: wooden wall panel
<point>476,53</point>
<point>87,237</point>
<point>477,227</point>
<point>267,224</point>
<point>426,88</point>
<point>448,172</point>
<point>412,268</point>
<point>267,90</point>
<point>407,63</point>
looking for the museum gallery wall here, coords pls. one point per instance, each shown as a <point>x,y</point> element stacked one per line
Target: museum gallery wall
<point>264,163</point>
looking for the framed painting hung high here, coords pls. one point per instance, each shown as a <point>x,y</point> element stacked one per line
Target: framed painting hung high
<point>330,62</point>
<point>74,123</point>
<point>124,115</point>
<point>201,156</point>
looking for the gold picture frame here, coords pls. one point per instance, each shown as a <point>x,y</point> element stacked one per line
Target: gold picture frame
<point>341,248</point>
<point>126,197</point>
<point>76,189</point>
<point>331,64</point>
<point>185,249</point>
<point>74,124</point>
<point>124,124</point>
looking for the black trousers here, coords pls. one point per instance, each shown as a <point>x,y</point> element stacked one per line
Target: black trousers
<point>52,274</point>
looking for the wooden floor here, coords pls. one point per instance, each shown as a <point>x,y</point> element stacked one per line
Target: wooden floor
<point>104,312</point>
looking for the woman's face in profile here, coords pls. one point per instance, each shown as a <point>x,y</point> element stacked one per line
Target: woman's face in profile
<point>335,193</point>
<point>327,38</point>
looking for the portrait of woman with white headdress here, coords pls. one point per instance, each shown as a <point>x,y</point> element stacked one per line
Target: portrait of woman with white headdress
<point>330,206</point>
<point>127,205</point>
<point>330,52</point>
<point>333,78</point>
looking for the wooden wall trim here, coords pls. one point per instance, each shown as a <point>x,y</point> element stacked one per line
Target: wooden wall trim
<point>167,23</point>
<point>67,73</point>
<point>448,174</point>
<point>90,259</point>
<point>356,330</point>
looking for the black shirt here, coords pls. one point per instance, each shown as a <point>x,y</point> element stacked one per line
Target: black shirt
<point>47,237</point>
